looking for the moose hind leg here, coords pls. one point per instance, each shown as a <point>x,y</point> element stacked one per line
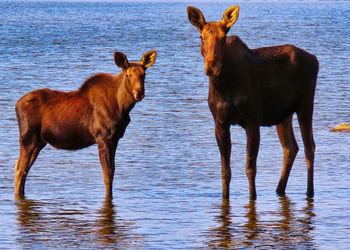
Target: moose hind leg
<point>29,151</point>
<point>305,122</point>
<point>290,151</point>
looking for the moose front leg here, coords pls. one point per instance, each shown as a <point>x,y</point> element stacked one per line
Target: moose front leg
<point>223,138</point>
<point>253,141</point>
<point>107,150</point>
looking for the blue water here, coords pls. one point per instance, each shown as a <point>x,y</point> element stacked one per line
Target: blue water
<point>167,185</point>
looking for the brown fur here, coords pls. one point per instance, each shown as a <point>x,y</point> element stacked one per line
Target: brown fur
<point>253,88</point>
<point>98,112</point>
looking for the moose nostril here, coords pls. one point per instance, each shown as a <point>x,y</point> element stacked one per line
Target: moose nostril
<point>208,71</point>
<point>138,95</point>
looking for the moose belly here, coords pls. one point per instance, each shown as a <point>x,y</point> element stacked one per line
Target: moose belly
<point>69,137</point>
<point>276,112</point>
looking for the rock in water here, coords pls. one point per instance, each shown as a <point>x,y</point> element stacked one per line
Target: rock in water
<point>341,127</point>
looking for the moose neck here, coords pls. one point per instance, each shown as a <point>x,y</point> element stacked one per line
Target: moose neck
<point>125,99</point>
<point>234,65</point>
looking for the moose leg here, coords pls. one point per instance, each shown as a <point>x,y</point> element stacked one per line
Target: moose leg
<point>223,138</point>
<point>253,141</point>
<point>305,122</point>
<point>290,150</point>
<point>29,151</point>
<point>107,150</point>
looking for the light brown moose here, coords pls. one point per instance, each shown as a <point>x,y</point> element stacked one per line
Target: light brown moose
<point>98,112</point>
<point>253,88</point>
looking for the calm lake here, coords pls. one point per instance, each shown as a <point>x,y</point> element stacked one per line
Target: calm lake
<point>167,186</point>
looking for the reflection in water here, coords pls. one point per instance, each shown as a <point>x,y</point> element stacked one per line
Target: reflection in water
<point>29,216</point>
<point>111,230</point>
<point>106,223</point>
<point>292,229</point>
<point>223,233</point>
<point>51,225</point>
<point>288,227</point>
<point>251,226</point>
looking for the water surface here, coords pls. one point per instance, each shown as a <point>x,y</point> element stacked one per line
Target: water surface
<point>167,185</point>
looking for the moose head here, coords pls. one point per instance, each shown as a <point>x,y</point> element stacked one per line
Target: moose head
<point>213,36</point>
<point>135,73</point>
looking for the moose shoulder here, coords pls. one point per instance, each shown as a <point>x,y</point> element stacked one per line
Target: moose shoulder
<point>96,113</point>
<point>253,88</point>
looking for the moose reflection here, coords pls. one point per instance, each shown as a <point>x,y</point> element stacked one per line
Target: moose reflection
<point>98,112</point>
<point>288,226</point>
<point>253,88</point>
<point>49,225</point>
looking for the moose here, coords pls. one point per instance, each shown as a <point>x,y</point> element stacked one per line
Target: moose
<point>254,88</point>
<point>96,113</point>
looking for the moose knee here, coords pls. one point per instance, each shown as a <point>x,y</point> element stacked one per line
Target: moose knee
<point>292,150</point>
<point>251,171</point>
<point>310,150</point>
<point>226,177</point>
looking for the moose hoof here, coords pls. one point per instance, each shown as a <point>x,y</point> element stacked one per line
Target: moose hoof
<point>280,193</point>
<point>310,194</point>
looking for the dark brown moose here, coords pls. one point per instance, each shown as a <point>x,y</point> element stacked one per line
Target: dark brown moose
<point>253,88</point>
<point>98,112</point>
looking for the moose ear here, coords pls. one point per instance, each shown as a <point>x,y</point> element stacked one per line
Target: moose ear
<point>196,17</point>
<point>120,60</point>
<point>230,17</point>
<point>149,58</point>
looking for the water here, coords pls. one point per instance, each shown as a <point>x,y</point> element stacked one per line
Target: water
<point>167,184</point>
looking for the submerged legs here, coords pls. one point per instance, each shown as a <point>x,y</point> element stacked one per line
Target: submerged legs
<point>253,141</point>
<point>290,150</point>
<point>223,138</point>
<point>305,123</point>
<point>30,148</point>
<point>107,150</point>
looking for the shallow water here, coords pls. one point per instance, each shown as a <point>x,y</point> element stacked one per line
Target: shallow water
<point>167,185</point>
